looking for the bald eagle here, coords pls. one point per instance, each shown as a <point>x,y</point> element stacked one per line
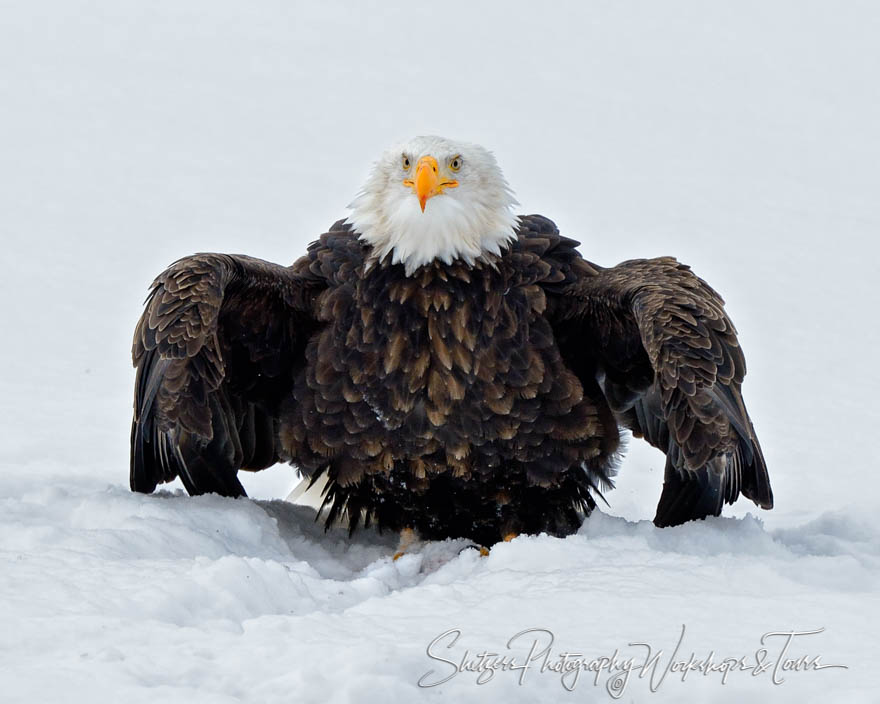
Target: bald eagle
<point>446,366</point>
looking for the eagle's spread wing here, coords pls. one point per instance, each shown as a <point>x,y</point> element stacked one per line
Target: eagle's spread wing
<point>216,349</point>
<point>667,357</point>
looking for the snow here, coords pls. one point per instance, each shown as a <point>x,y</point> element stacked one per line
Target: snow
<point>743,139</point>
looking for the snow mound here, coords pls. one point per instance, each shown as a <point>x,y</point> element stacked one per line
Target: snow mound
<point>213,599</point>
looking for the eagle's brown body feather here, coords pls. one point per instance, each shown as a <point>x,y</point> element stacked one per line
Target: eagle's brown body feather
<point>462,401</point>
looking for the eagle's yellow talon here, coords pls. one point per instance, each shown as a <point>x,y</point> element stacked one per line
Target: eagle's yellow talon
<point>510,536</point>
<point>408,537</point>
<point>484,552</point>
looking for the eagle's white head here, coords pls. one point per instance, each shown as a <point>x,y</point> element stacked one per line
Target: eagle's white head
<point>434,198</point>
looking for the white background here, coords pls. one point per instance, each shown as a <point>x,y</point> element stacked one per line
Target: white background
<point>741,137</point>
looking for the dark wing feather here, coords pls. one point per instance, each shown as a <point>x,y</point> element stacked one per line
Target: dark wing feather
<point>667,357</point>
<point>216,349</point>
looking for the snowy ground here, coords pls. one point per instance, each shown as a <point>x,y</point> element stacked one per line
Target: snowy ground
<point>743,139</point>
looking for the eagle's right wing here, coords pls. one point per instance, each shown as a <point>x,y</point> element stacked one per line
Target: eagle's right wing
<point>216,349</point>
<point>658,340</point>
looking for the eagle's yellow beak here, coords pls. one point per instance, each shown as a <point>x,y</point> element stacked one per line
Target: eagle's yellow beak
<point>428,182</point>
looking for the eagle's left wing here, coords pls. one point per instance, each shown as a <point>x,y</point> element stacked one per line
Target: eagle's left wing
<point>666,355</point>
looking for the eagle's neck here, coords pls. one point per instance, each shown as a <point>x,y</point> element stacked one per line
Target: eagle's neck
<point>485,272</point>
<point>449,230</point>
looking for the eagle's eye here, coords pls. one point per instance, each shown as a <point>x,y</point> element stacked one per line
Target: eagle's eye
<point>455,164</point>
<point>405,162</point>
